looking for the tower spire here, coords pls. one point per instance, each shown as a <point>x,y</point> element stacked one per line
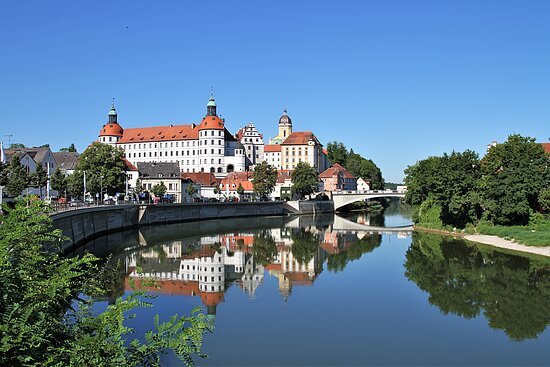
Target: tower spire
<point>211,106</point>
<point>112,113</point>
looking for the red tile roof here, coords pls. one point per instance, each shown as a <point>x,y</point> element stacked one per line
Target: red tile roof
<point>283,175</point>
<point>546,147</point>
<point>334,171</point>
<point>129,165</point>
<point>272,148</point>
<point>202,178</point>
<point>211,123</point>
<point>159,133</point>
<point>236,178</point>
<point>111,130</point>
<point>300,138</point>
<point>325,151</point>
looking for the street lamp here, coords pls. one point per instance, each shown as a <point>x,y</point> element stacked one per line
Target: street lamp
<point>101,188</point>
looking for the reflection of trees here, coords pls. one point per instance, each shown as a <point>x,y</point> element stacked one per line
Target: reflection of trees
<point>337,262</point>
<point>264,248</point>
<point>463,279</point>
<point>304,245</point>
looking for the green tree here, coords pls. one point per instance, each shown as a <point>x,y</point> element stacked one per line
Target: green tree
<point>304,245</point>
<point>304,180</point>
<point>105,169</point>
<point>265,178</point>
<point>45,323</point>
<point>452,182</point>
<point>18,178</point>
<point>17,146</point>
<point>59,181</point>
<point>514,174</point>
<point>75,184</point>
<point>191,190</point>
<point>337,153</point>
<point>159,189</point>
<point>240,189</point>
<point>39,178</point>
<point>4,169</point>
<point>366,169</point>
<point>264,249</point>
<point>544,200</point>
<point>71,148</point>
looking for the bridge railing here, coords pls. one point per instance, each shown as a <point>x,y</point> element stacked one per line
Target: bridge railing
<point>360,192</point>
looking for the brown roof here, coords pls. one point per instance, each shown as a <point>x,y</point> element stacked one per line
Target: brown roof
<point>236,178</point>
<point>202,178</point>
<point>335,170</point>
<point>546,147</point>
<point>159,133</point>
<point>272,148</point>
<point>300,138</point>
<point>283,175</point>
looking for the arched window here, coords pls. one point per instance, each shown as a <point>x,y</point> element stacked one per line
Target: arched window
<point>212,170</point>
<point>230,168</point>
<point>219,170</point>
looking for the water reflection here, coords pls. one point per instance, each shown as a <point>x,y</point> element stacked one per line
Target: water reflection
<point>198,262</point>
<point>512,291</point>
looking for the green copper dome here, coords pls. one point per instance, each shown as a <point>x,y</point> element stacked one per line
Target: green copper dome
<point>211,102</point>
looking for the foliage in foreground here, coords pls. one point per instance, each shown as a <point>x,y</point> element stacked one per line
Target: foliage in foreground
<point>304,180</point>
<point>44,322</point>
<point>265,178</point>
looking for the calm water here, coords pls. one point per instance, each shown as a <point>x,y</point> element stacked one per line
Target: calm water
<point>307,291</point>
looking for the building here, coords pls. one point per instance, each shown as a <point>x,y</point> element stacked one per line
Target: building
<point>207,182</point>
<point>285,129</point>
<point>302,147</point>
<point>206,147</point>
<point>253,143</point>
<point>66,161</point>
<point>272,155</point>
<point>230,184</point>
<point>282,185</point>
<point>153,173</point>
<point>337,178</point>
<point>546,147</point>
<point>362,184</point>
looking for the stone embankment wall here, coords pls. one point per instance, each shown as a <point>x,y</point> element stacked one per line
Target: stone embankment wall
<point>83,225</point>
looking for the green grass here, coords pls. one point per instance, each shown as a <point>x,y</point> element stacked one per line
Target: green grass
<point>531,235</point>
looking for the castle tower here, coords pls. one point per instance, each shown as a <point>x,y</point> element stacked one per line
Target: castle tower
<point>111,132</point>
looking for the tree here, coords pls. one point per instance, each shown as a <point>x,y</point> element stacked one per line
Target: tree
<point>264,249</point>
<point>337,153</point>
<point>265,178</point>
<point>71,148</point>
<point>366,169</point>
<point>59,181</point>
<point>75,184</point>
<point>544,200</point>
<point>18,178</point>
<point>105,170</point>
<point>39,178</point>
<point>17,146</point>
<point>240,189</point>
<point>191,190</point>
<point>45,323</point>
<point>451,182</point>
<point>514,174</point>
<point>304,245</point>
<point>159,189</point>
<point>304,180</point>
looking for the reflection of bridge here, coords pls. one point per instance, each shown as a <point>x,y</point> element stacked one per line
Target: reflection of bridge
<point>343,198</point>
<point>343,224</point>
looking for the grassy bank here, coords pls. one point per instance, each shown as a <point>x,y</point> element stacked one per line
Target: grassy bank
<point>537,234</point>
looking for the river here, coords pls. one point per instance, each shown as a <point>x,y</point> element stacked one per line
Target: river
<point>286,291</point>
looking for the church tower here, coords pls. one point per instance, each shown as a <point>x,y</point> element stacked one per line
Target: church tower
<point>111,132</point>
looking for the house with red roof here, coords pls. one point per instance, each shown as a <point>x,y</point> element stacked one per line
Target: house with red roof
<point>337,178</point>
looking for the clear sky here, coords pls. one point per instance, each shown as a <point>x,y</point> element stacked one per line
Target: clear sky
<point>397,81</point>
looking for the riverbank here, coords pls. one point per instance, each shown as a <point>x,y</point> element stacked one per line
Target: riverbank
<point>490,240</point>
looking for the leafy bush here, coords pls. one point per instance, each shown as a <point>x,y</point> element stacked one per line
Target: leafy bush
<point>44,322</point>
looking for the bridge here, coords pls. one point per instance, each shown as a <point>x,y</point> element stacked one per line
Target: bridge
<point>344,224</point>
<point>343,198</point>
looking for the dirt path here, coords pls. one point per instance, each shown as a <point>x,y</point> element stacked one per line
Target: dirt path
<point>502,243</point>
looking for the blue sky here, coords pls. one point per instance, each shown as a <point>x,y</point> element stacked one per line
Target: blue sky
<point>397,81</point>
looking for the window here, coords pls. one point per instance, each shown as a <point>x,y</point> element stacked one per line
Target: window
<point>212,142</point>
<point>170,187</point>
<point>211,133</point>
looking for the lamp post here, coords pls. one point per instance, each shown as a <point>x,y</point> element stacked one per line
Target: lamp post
<point>101,188</point>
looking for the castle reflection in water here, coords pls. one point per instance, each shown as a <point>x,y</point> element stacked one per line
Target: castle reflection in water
<point>206,265</point>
